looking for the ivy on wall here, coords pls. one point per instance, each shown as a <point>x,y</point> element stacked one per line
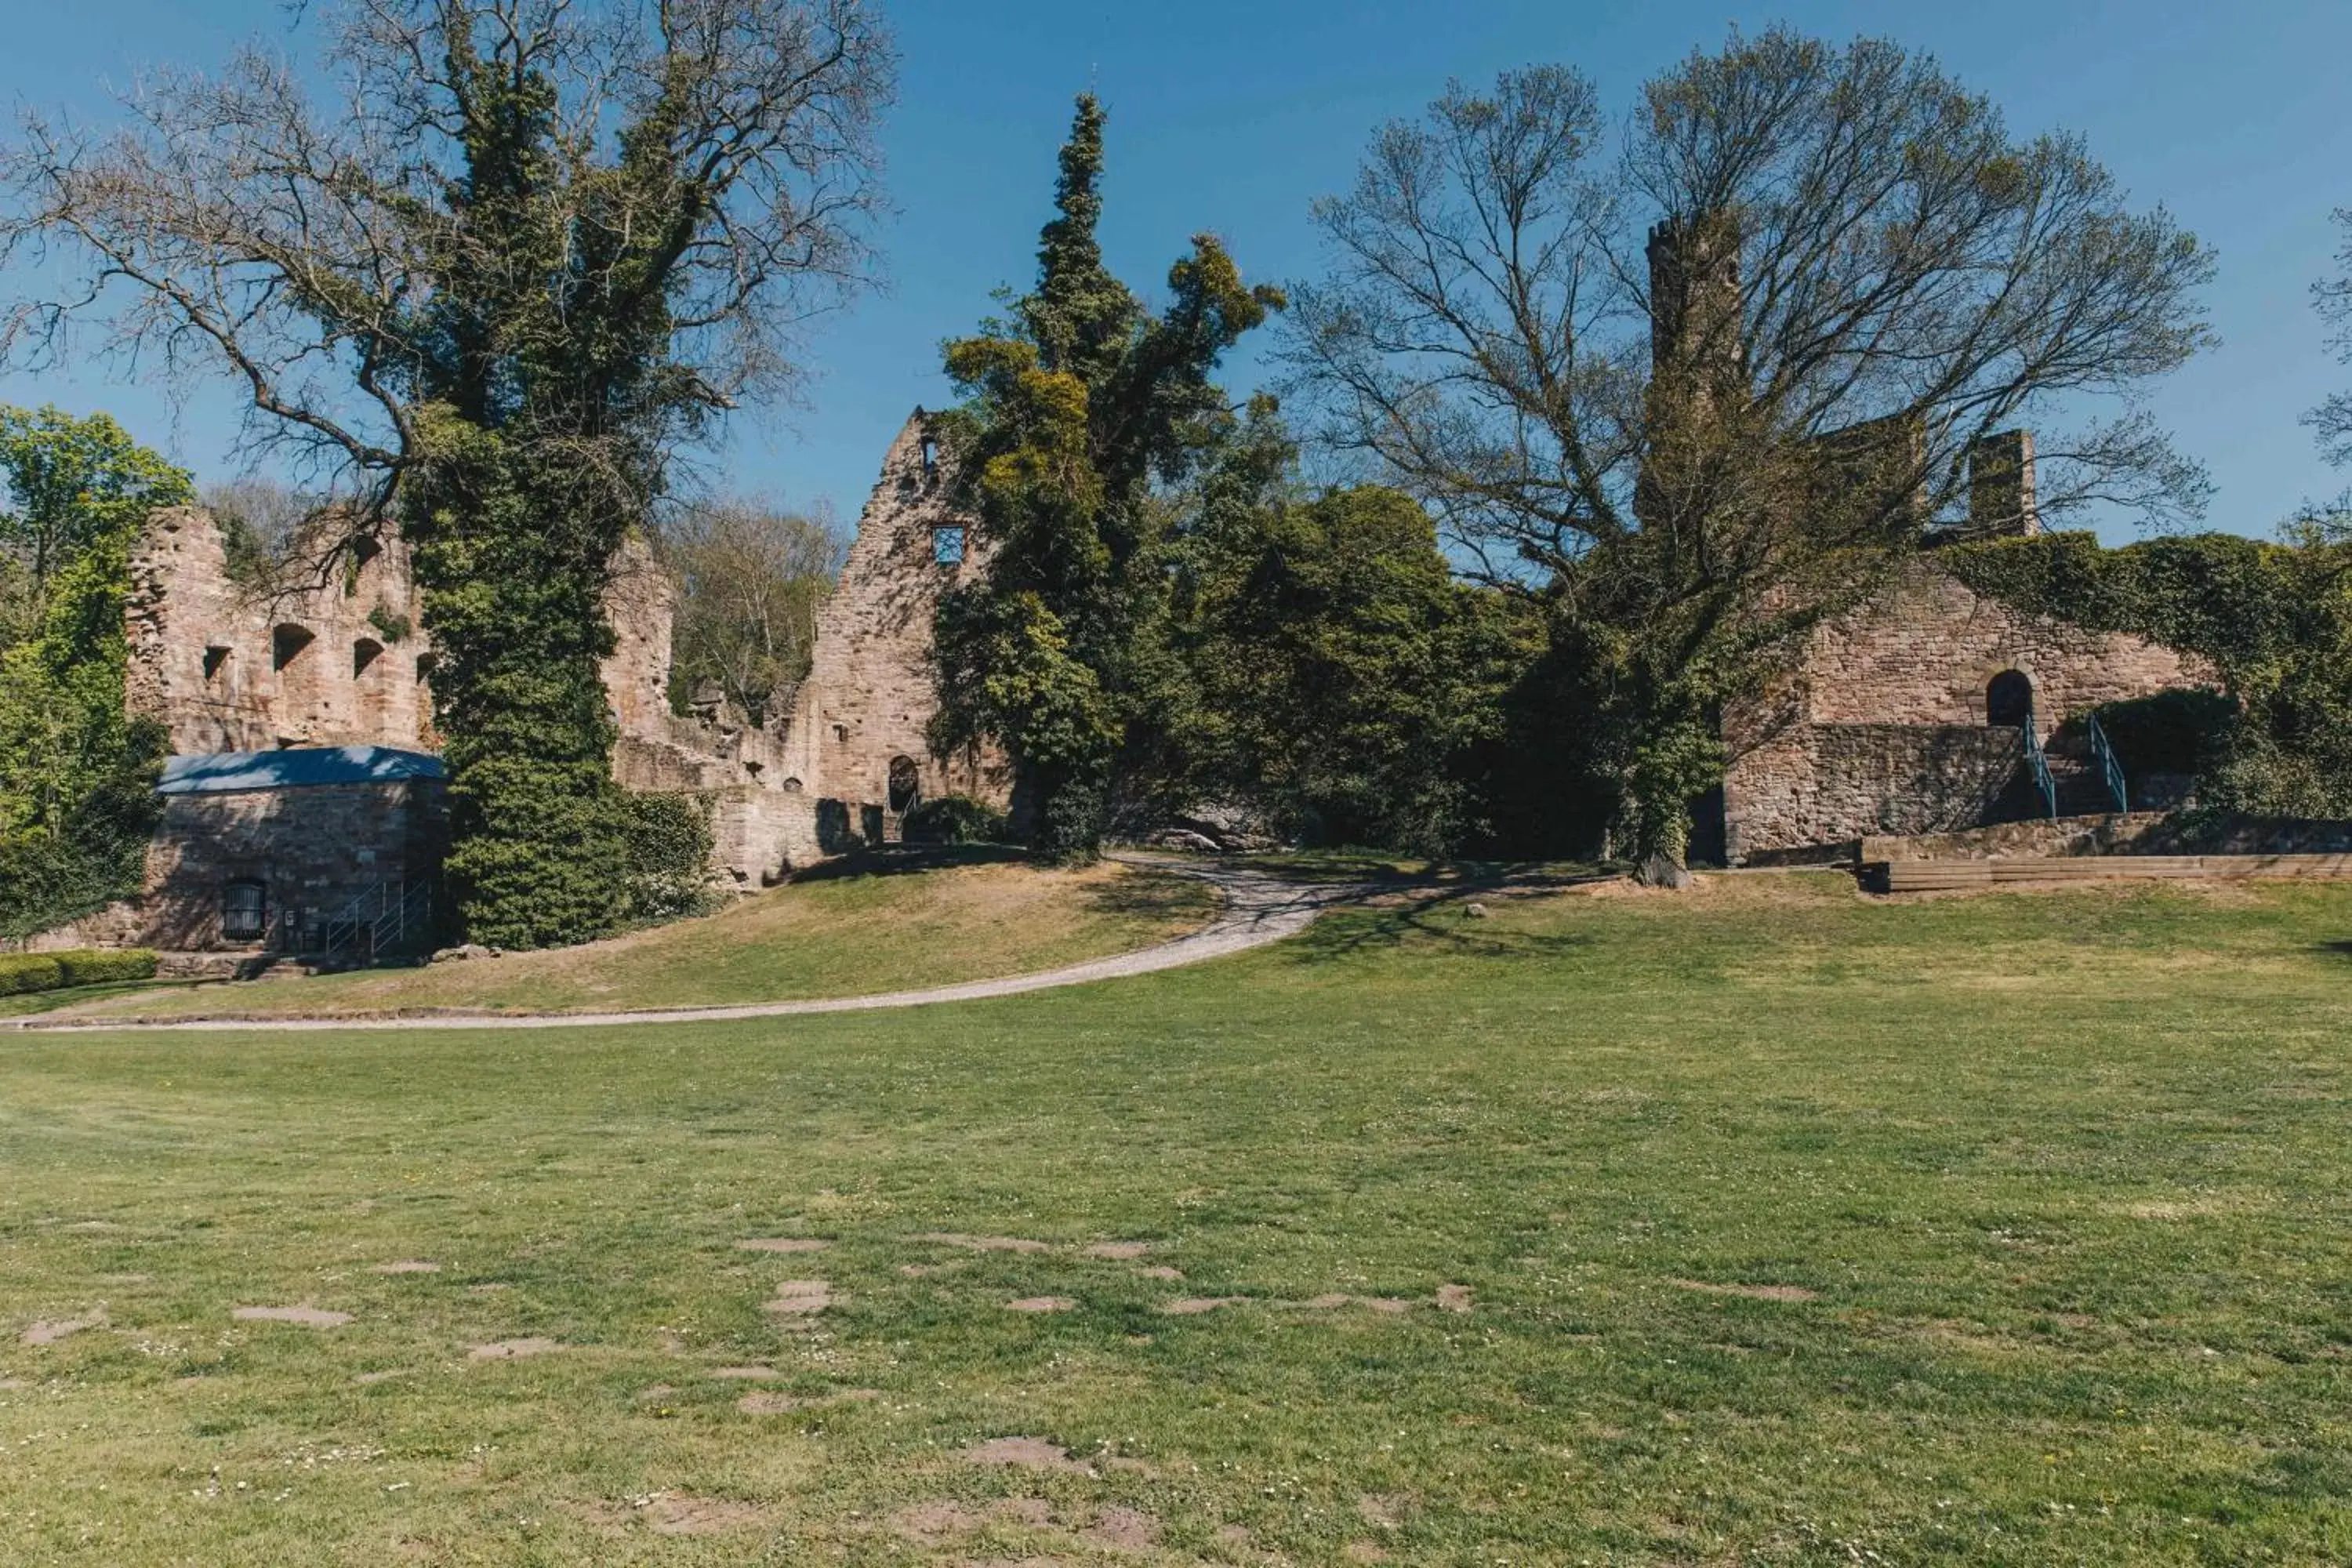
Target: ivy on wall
<point>2273,618</point>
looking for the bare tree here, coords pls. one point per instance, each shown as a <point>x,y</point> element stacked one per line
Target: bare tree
<point>1698,381</point>
<point>752,578</point>
<point>2333,418</point>
<point>231,224</point>
<point>535,247</point>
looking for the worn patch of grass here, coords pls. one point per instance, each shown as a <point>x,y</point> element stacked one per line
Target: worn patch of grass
<point>1765,1225</point>
<point>856,930</point>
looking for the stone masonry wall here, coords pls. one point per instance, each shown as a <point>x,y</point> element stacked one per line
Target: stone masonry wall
<point>870,694</point>
<point>312,849</point>
<point>1823,758</point>
<point>226,667</point>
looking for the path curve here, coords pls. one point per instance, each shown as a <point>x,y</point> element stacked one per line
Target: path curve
<point>1259,908</point>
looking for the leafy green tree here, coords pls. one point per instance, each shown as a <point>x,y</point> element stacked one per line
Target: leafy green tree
<point>1693,383</point>
<point>1075,408</point>
<point>544,245</point>
<point>1341,680</point>
<point>751,582</point>
<point>76,774</point>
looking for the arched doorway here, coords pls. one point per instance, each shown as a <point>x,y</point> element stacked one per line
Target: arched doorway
<point>906,785</point>
<point>2009,700</point>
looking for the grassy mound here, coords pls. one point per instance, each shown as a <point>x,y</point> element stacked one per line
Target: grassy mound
<point>1764,1225</point>
<point>856,930</point>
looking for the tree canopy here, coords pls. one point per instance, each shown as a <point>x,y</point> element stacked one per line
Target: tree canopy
<point>1696,380</point>
<point>76,773</point>
<point>1075,407</point>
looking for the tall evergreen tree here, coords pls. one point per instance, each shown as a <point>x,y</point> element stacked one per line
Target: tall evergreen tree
<point>1076,409</point>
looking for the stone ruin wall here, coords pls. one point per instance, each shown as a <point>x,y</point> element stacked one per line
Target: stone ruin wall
<point>226,668</point>
<point>870,696</point>
<point>815,781</point>
<point>315,849</point>
<point>1883,727</point>
<point>333,659</point>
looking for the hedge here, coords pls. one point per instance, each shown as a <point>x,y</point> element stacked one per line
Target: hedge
<point>29,972</point>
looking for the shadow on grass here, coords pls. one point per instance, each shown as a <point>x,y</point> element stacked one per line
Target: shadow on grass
<point>898,859</point>
<point>1148,894</point>
<point>2340,948</point>
<point>1429,909</point>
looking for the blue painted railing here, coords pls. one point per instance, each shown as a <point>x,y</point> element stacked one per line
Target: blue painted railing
<point>2109,764</point>
<point>2038,760</point>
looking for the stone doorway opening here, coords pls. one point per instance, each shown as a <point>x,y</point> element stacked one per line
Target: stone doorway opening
<point>2009,700</point>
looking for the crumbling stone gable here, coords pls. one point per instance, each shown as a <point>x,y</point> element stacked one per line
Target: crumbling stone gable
<point>231,669</point>
<point>871,691</point>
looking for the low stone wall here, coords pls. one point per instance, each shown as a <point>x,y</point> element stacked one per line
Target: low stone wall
<point>2049,837</point>
<point>1819,785</point>
<point>2137,833</point>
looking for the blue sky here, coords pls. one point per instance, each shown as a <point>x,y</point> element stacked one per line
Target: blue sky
<point>1234,116</point>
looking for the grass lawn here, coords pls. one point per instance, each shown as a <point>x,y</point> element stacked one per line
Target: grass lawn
<point>1761,1224</point>
<point>32,1002</point>
<point>851,932</point>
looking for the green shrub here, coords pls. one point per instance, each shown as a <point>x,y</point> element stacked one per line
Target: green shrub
<point>2174,732</point>
<point>23,974</point>
<point>955,819</point>
<point>667,841</point>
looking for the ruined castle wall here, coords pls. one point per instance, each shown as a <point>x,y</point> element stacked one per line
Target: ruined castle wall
<point>331,659</point>
<point>1927,651</point>
<point>226,668</point>
<point>870,693</point>
<point>1884,726</point>
<point>1834,783</point>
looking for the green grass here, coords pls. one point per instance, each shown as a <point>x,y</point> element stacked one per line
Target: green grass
<point>2052,1190</point>
<point>855,930</point>
<point>32,1002</point>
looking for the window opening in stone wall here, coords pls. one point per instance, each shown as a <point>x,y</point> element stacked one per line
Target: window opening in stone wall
<point>245,911</point>
<point>906,785</point>
<point>215,660</point>
<point>947,545</point>
<point>930,458</point>
<point>2009,701</point>
<point>364,653</point>
<point>286,644</point>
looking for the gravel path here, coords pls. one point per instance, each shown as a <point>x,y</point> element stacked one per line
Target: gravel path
<point>1259,908</point>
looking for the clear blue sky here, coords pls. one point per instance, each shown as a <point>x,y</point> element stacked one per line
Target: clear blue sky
<point>1234,117</point>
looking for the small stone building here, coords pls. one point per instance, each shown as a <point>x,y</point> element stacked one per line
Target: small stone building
<point>1910,714</point>
<point>304,849</point>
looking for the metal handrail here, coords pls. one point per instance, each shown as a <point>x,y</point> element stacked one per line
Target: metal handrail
<point>2109,764</point>
<point>387,912</point>
<point>2038,760</point>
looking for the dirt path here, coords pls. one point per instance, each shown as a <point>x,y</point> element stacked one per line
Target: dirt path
<point>1259,908</point>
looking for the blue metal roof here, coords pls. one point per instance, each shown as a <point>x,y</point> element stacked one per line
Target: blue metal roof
<point>297,767</point>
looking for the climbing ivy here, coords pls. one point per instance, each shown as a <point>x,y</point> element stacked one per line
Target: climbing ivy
<point>2275,619</point>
